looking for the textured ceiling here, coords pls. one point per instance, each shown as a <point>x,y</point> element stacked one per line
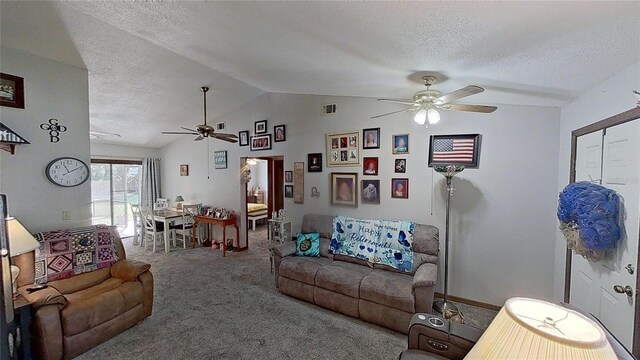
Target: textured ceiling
<point>147,60</point>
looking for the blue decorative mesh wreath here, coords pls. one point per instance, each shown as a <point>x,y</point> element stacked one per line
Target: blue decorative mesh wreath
<point>594,211</point>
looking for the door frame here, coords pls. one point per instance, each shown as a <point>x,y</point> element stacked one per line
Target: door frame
<point>112,162</point>
<point>275,191</point>
<point>614,120</point>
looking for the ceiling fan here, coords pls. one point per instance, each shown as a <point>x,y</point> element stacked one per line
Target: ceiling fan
<point>426,103</point>
<point>204,130</point>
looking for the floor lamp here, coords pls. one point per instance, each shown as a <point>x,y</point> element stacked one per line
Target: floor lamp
<point>444,307</point>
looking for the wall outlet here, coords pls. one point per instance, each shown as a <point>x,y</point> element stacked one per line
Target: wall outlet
<point>66,215</point>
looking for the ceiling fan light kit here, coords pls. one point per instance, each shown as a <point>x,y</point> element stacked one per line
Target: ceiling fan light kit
<point>427,102</point>
<point>204,130</point>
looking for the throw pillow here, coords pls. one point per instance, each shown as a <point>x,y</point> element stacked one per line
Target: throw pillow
<point>308,244</point>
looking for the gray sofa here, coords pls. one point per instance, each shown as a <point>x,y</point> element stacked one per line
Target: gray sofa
<point>379,294</point>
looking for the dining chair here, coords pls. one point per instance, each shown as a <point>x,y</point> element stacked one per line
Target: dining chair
<point>161,204</point>
<point>138,229</point>
<point>152,229</point>
<point>189,213</point>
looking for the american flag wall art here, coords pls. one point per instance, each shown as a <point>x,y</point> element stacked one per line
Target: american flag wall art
<point>455,150</point>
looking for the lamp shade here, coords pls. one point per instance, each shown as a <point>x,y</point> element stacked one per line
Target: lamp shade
<point>179,198</point>
<point>20,240</point>
<point>535,329</point>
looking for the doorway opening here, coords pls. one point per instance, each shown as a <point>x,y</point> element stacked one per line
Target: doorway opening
<point>263,182</point>
<point>114,188</point>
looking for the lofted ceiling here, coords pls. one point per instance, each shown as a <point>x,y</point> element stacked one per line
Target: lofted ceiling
<point>147,60</point>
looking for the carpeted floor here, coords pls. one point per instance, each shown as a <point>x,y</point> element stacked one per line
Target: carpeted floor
<point>210,307</point>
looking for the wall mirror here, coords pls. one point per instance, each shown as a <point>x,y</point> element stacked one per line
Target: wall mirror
<point>608,153</point>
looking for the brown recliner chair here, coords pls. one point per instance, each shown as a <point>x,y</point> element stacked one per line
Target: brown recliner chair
<point>73,315</point>
<point>434,338</point>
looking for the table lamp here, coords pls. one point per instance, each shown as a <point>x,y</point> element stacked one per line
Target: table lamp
<point>20,242</point>
<point>536,329</point>
<point>178,202</point>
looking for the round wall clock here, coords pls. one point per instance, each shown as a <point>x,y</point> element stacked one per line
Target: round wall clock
<point>67,172</point>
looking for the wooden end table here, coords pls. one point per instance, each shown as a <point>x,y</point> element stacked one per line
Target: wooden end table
<point>233,221</point>
<point>22,321</point>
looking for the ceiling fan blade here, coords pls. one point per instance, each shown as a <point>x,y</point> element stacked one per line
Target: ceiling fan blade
<point>102,133</point>
<point>394,112</point>
<point>400,101</point>
<point>198,138</point>
<point>459,94</point>
<point>188,129</point>
<point>178,133</point>
<point>231,136</point>
<point>225,138</point>
<point>472,108</point>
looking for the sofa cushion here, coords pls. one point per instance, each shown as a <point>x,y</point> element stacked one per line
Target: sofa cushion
<point>302,268</point>
<point>388,288</point>
<point>324,248</point>
<point>96,305</point>
<point>342,277</point>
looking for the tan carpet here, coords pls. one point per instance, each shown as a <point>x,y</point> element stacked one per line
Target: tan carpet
<point>210,307</point>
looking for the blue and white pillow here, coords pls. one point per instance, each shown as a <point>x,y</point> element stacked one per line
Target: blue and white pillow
<point>308,245</point>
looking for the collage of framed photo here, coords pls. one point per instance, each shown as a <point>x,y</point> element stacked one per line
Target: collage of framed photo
<point>343,149</point>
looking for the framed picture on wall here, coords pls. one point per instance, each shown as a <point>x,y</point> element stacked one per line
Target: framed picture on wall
<point>243,138</point>
<point>261,142</point>
<point>344,189</point>
<point>370,166</point>
<point>371,138</point>
<point>11,91</point>
<point>400,166</point>
<point>400,188</point>
<point>260,127</point>
<point>400,144</point>
<point>370,192</point>
<point>454,150</point>
<point>314,162</point>
<point>280,133</point>
<point>288,191</point>
<point>343,149</point>
<point>184,170</point>
<point>288,176</point>
<point>220,159</point>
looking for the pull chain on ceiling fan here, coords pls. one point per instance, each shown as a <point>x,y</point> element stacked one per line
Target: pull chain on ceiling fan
<point>426,103</point>
<point>204,130</point>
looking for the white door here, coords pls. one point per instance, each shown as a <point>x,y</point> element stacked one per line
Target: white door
<point>595,283</point>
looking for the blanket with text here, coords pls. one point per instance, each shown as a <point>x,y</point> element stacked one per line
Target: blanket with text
<point>387,242</point>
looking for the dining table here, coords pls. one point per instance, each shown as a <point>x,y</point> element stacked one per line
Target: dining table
<point>167,217</point>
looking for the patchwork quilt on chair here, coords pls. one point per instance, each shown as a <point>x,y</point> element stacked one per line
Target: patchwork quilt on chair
<point>65,253</point>
<point>386,242</point>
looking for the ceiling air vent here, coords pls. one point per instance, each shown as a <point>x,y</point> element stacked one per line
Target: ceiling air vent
<point>329,109</point>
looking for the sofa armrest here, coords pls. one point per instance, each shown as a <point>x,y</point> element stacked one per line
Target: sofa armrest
<point>433,334</point>
<point>286,249</point>
<point>425,276</point>
<point>129,270</point>
<point>424,281</point>
<point>44,297</point>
